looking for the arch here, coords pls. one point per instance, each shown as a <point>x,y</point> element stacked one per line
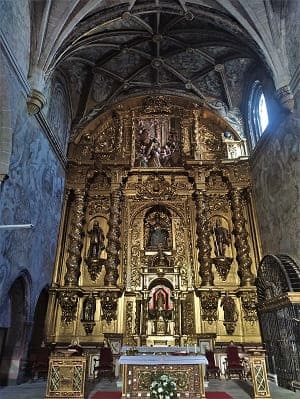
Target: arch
<point>37,336</point>
<point>13,348</point>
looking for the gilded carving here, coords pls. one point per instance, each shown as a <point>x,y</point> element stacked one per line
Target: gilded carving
<point>180,261</point>
<point>75,240</point>
<point>249,304</point>
<point>203,241</point>
<point>106,137</point>
<point>188,316</point>
<point>98,205</point>
<point>157,105</point>
<point>109,305</point>
<point>241,240</point>
<point>68,302</point>
<point>129,318</point>
<point>113,237</point>
<point>155,187</point>
<point>209,304</point>
<point>217,203</point>
<point>133,275</point>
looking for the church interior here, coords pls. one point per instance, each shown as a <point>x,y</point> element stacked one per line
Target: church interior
<point>150,180</point>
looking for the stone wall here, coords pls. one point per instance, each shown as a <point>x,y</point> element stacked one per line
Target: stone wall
<point>15,26</point>
<point>32,193</point>
<point>292,35</point>
<point>276,179</point>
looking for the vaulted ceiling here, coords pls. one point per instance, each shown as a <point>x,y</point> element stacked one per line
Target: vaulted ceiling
<point>109,50</point>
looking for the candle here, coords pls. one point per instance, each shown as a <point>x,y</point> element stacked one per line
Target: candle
<point>195,348</point>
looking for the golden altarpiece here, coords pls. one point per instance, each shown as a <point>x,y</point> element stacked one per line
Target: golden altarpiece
<point>158,241</point>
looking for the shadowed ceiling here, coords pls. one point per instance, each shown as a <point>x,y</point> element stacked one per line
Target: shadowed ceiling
<point>157,46</point>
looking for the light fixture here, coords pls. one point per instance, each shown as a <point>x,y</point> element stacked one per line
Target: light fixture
<point>15,226</point>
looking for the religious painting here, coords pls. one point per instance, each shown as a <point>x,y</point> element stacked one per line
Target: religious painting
<point>157,142</point>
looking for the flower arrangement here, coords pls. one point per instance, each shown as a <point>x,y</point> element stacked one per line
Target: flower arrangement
<point>163,387</point>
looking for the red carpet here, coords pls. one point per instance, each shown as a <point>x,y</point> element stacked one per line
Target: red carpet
<point>117,395</point>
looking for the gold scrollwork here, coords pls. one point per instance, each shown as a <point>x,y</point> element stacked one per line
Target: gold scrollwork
<point>209,304</point>
<point>249,303</point>
<point>68,302</point>
<point>109,305</point>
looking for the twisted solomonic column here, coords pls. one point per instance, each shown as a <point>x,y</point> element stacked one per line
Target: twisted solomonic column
<point>113,236</point>
<point>241,239</point>
<point>75,239</point>
<point>203,233</point>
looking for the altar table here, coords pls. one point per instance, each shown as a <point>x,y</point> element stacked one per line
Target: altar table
<point>139,371</point>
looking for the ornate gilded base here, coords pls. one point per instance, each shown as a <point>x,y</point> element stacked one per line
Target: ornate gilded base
<point>189,379</point>
<point>222,266</point>
<point>66,377</point>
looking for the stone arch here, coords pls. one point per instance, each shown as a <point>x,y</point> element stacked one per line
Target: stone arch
<point>15,340</point>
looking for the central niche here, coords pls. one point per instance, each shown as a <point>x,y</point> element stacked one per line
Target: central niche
<point>158,229</point>
<point>157,141</point>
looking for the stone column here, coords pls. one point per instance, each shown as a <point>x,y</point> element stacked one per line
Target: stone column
<point>203,243</point>
<point>259,374</point>
<point>241,239</point>
<point>75,240</point>
<point>111,267</point>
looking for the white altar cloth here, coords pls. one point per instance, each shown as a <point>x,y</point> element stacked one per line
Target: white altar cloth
<point>162,359</point>
<point>162,349</point>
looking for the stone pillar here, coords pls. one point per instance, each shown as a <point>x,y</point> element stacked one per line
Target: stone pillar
<point>286,98</point>
<point>75,240</point>
<point>241,239</point>
<point>203,243</point>
<point>111,276</point>
<point>259,374</point>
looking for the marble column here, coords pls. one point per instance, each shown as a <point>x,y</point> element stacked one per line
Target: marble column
<point>203,233</point>
<point>241,239</point>
<point>75,239</point>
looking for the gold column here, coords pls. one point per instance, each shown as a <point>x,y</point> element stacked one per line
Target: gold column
<point>259,374</point>
<point>113,237</point>
<point>203,243</point>
<point>75,240</point>
<point>241,239</point>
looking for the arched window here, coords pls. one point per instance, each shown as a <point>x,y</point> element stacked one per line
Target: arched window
<point>258,118</point>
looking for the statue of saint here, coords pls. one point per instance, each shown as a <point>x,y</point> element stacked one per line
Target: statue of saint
<point>89,308</point>
<point>96,242</point>
<point>158,234</point>
<point>221,238</point>
<point>229,308</point>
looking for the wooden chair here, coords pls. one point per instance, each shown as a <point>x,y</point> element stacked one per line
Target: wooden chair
<point>211,368</point>
<point>234,364</point>
<point>105,368</point>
